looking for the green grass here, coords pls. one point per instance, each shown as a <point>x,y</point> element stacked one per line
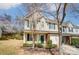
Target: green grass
<point>7,50</point>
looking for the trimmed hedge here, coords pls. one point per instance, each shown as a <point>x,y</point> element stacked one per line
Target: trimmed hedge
<point>39,45</point>
<point>27,45</point>
<point>49,45</point>
<point>54,45</point>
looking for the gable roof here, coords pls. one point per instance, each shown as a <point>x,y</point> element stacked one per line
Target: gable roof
<point>40,15</point>
<point>31,13</point>
<point>69,22</point>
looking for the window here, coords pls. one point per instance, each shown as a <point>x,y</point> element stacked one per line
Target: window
<point>64,29</point>
<point>51,26</point>
<point>70,29</point>
<point>29,37</point>
<point>76,30</point>
<point>27,23</point>
<point>42,24</point>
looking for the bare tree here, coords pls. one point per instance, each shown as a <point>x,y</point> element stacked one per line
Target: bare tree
<point>59,15</point>
<point>7,17</point>
<point>32,8</point>
<point>60,21</point>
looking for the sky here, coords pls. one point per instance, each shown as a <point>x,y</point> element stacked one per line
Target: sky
<point>11,9</point>
<point>18,10</point>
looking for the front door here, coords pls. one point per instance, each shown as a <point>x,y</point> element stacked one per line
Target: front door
<point>42,38</point>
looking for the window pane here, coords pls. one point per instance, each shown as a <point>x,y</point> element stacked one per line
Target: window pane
<point>29,37</point>
<point>51,26</point>
<point>70,29</point>
<point>27,23</point>
<point>64,29</point>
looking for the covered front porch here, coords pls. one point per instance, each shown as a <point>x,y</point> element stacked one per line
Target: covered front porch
<point>38,38</point>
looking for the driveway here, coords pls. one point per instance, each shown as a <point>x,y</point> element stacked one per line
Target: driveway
<point>67,49</point>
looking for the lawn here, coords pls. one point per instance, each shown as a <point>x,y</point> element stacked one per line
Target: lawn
<point>7,50</point>
<point>15,47</point>
<point>10,47</point>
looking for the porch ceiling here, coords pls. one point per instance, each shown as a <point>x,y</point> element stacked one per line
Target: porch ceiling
<point>68,34</point>
<point>39,32</point>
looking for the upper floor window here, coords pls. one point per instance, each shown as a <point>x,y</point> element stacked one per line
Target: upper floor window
<point>42,24</point>
<point>64,29</point>
<point>27,23</point>
<point>51,26</point>
<point>70,29</point>
<point>76,30</point>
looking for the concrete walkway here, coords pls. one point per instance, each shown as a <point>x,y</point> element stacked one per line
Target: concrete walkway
<point>67,49</point>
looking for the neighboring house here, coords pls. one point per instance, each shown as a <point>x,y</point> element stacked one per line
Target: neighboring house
<point>45,29</point>
<point>69,30</point>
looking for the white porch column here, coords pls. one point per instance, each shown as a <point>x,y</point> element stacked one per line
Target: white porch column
<point>38,38</point>
<point>24,38</point>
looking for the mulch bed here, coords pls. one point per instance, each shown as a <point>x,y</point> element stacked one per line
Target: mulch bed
<point>53,51</point>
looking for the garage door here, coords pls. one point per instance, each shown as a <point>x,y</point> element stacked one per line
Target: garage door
<point>54,39</point>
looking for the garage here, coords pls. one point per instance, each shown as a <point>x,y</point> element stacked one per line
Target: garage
<point>55,39</point>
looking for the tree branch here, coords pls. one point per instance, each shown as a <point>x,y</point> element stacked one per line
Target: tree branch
<point>64,13</point>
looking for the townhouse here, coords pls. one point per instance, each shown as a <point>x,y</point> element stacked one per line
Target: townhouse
<point>43,29</point>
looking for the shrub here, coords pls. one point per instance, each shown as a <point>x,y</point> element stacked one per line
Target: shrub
<point>39,45</point>
<point>49,44</point>
<point>11,36</point>
<point>4,37</point>
<point>27,45</point>
<point>18,36</point>
<point>54,45</point>
<point>75,41</point>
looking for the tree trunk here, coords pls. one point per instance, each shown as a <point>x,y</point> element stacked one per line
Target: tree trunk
<point>33,40</point>
<point>60,37</point>
<point>33,36</point>
<point>59,25</point>
<point>60,41</point>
